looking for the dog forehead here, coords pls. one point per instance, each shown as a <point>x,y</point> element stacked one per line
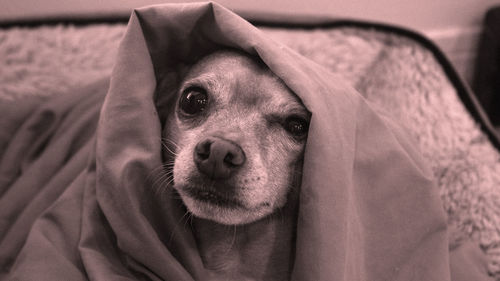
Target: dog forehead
<point>227,59</point>
<point>248,82</point>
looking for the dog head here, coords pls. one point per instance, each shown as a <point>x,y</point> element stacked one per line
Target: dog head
<point>235,138</point>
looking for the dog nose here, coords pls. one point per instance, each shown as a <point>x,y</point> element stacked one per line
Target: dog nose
<point>217,157</point>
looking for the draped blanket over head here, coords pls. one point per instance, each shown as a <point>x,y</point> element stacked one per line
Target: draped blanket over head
<point>368,208</point>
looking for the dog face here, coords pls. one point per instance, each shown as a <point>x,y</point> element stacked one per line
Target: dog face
<point>236,139</point>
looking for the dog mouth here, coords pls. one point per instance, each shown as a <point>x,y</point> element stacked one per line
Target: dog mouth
<point>221,206</point>
<point>213,197</point>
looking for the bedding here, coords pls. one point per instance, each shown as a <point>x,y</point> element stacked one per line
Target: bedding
<point>393,72</point>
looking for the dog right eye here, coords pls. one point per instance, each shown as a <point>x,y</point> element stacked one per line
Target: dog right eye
<point>193,100</point>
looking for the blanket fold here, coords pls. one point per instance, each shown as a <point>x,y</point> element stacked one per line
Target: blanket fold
<point>369,209</point>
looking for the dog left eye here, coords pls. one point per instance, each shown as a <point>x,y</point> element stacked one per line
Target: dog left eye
<point>296,126</point>
<point>193,100</point>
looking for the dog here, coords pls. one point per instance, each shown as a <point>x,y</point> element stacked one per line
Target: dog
<point>235,143</point>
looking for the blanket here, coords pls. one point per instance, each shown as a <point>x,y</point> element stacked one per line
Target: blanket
<point>369,209</point>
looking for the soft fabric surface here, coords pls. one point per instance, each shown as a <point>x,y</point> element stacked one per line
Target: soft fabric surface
<point>411,85</point>
<point>368,208</point>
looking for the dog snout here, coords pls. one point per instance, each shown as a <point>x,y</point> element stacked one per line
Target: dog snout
<point>218,158</point>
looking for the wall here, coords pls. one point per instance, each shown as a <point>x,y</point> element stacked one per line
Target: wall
<point>453,24</point>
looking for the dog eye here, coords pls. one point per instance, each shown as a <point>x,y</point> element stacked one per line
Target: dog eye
<point>296,126</point>
<point>193,100</point>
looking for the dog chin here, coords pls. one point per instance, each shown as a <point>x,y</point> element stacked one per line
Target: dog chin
<point>230,214</point>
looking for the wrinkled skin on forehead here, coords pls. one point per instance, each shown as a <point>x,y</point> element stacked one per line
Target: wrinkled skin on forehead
<point>247,105</point>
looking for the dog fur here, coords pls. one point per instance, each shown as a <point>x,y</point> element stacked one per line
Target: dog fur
<point>233,146</point>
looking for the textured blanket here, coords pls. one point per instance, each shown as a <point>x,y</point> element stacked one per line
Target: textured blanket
<point>347,258</point>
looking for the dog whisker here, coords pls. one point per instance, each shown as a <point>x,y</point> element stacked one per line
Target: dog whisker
<point>168,166</point>
<point>171,142</point>
<point>168,182</point>
<point>168,149</point>
<point>189,219</point>
<point>233,240</point>
<point>164,181</point>
<point>165,143</point>
<point>154,187</point>
<point>187,214</point>
<point>160,177</point>
<point>160,180</point>
<point>154,172</point>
